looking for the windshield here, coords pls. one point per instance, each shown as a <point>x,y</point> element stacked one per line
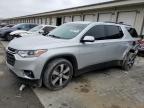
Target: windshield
<point>35,29</point>
<point>18,25</point>
<point>67,31</point>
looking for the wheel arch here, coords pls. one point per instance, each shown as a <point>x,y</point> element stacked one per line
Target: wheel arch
<point>68,57</point>
<point>129,50</point>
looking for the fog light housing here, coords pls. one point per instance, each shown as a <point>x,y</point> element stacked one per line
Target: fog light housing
<point>28,74</point>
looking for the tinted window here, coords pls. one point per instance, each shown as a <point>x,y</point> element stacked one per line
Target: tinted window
<point>113,32</point>
<point>22,26</point>
<point>132,32</point>
<point>48,29</point>
<point>103,32</point>
<point>97,31</point>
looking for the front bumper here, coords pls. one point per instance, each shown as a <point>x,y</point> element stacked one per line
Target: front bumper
<point>21,65</point>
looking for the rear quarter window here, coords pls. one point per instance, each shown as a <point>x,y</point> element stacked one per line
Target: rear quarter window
<point>132,32</point>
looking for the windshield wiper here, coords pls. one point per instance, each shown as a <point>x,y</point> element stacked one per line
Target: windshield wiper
<point>54,36</point>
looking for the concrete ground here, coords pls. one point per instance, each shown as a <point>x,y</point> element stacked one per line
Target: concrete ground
<point>10,97</point>
<point>109,88</point>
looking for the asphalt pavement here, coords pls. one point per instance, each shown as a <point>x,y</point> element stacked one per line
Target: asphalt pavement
<point>10,97</point>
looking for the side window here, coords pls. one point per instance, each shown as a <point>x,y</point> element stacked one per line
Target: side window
<point>113,32</point>
<point>48,29</point>
<point>132,32</point>
<point>97,31</point>
<point>32,26</point>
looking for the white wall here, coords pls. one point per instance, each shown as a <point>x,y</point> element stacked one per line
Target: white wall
<point>77,18</point>
<point>90,17</point>
<point>67,19</point>
<point>103,17</point>
<point>53,21</point>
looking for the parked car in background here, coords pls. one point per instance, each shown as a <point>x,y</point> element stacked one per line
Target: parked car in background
<point>5,33</point>
<point>70,50</point>
<point>36,31</point>
<point>7,26</point>
<point>2,25</point>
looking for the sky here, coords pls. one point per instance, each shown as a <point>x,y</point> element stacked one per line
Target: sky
<point>14,8</point>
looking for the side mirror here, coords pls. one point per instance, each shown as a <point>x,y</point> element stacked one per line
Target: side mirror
<point>41,32</point>
<point>88,39</point>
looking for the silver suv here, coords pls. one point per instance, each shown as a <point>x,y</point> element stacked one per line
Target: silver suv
<point>70,50</point>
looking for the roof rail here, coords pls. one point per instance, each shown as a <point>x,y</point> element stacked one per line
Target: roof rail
<point>122,23</point>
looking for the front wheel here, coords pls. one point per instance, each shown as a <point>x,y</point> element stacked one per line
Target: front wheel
<point>58,74</point>
<point>129,61</point>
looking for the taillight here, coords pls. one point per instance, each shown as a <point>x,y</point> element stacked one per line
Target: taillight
<point>141,41</point>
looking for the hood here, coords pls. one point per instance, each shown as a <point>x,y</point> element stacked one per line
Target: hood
<point>18,32</point>
<point>30,34</point>
<point>37,42</point>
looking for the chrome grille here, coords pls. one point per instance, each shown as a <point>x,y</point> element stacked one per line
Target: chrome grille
<point>12,50</point>
<point>10,58</point>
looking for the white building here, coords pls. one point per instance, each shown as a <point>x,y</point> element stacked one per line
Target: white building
<point>130,12</point>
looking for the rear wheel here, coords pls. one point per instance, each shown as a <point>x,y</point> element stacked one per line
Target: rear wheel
<point>128,61</point>
<point>58,74</point>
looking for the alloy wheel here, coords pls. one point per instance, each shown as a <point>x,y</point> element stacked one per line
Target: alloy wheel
<point>60,75</point>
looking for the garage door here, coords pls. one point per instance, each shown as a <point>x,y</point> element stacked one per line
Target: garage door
<point>43,20</point>
<point>77,18</point>
<point>105,17</point>
<point>40,20</point>
<point>47,20</point>
<point>67,19</point>
<point>89,18</point>
<point>127,17</point>
<point>53,21</point>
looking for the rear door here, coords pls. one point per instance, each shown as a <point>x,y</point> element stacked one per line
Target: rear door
<point>113,42</point>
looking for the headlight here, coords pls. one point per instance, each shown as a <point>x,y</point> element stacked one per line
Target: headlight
<point>31,53</point>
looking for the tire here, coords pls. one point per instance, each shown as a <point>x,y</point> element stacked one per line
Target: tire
<point>58,74</point>
<point>128,61</point>
<point>9,37</point>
